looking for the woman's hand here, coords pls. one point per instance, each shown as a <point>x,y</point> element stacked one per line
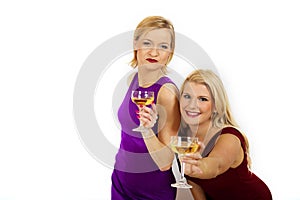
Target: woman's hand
<point>192,164</point>
<point>148,116</point>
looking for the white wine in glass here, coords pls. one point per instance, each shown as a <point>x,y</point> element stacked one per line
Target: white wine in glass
<point>142,98</point>
<point>183,145</point>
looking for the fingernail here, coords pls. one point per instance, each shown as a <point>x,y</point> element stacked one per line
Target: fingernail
<point>138,116</point>
<point>141,106</point>
<point>137,111</point>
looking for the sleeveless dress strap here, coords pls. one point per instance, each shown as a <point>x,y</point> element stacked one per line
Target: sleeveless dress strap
<point>231,130</point>
<point>210,145</point>
<point>133,82</point>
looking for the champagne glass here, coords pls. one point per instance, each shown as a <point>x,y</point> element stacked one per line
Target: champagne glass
<point>142,98</point>
<point>183,145</point>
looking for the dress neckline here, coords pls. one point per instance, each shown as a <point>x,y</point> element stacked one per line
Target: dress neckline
<point>137,81</point>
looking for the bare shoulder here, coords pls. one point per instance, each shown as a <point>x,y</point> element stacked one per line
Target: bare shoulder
<point>228,148</point>
<point>229,135</point>
<point>167,93</point>
<point>227,144</point>
<point>130,78</point>
<point>228,138</point>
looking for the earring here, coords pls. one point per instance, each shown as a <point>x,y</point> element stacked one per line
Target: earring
<point>214,114</point>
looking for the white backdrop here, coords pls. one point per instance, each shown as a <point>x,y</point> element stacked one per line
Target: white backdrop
<point>254,45</point>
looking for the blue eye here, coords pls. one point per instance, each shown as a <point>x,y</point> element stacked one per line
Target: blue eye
<point>186,96</point>
<point>146,43</point>
<point>164,46</point>
<point>202,99</point>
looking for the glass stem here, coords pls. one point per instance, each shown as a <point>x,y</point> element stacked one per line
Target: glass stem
<point>182,171</point>
<point>141,124</point>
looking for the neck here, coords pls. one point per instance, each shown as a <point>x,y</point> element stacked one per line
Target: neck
<point>200,130</point>
<point>204,132</point>
<point>148,78</point>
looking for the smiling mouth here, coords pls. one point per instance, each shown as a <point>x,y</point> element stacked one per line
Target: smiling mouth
<point>151,60</point>
<point>192,114</point>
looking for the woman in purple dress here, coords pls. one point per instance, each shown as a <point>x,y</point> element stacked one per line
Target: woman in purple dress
<point>143,163</point>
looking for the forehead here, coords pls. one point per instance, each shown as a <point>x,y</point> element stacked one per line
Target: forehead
<point>196,89</point>
<point>161,35</point>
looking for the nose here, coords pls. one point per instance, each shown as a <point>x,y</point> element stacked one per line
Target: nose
<point>153,52</point>
<point>193,104</point>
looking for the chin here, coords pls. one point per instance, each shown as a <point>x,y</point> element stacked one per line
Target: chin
<point>191,122</point>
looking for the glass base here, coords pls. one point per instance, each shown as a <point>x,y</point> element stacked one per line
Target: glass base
<point>141,129</point>
<point>181,185</point>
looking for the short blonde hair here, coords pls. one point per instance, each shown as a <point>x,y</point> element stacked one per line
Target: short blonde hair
<point>151,23</point>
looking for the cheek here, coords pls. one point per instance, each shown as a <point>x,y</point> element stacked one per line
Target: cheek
<point>181,109</point>
<point>164,56</point>
<point>206,108</point>
<point>182,103</point>
<point>139,53</point>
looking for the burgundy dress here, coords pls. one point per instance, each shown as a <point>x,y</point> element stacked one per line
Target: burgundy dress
<point>236,183</point>
<point>135,174</point>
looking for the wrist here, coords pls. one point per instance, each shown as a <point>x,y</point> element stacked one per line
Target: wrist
<point>147,133</point>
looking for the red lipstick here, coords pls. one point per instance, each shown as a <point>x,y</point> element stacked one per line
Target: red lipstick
<point>151,60</point>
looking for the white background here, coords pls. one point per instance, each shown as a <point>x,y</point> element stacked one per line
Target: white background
<point>255,46</point>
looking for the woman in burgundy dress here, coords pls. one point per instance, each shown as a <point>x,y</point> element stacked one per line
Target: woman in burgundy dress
<point>143,163</point>
<point>221,169</point>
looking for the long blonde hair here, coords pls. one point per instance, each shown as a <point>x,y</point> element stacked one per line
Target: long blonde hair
<point>221,115</point>
<point>148,24</point>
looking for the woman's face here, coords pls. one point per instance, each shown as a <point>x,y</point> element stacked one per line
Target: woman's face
<point>154,48</point>
<point>196,104</point>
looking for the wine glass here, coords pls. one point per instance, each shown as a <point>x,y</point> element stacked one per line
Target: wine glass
<point>183,145</point>
<point>142,98</point>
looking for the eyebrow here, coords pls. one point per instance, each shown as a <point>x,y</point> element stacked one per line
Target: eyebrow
<point>158,43</point>
<point>202,96</point>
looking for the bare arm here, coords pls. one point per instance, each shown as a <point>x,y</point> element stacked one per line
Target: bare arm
<point>168,124</point>
<point>227,153</point>
<point>197,191</point>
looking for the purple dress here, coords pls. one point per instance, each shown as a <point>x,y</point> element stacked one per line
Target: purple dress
<point>135,174</point>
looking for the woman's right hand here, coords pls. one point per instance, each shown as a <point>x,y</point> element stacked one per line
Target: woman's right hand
<point>148,116</point>
<point>192,164</point>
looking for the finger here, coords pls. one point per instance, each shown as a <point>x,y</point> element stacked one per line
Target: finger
<point>187,169</point>
<point>154,116</point>
<point>150,114</point>
<point>146,124</point>
<point>154,112</point>
<point>196,156</point>
<point>201,145</point>
<point>154,108</point>
<point>147,121</point>
<point>196,170</point>
<point>146,110</point>
<point>141,107</point>
<point>147,116</point>
<point>191,162</point>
